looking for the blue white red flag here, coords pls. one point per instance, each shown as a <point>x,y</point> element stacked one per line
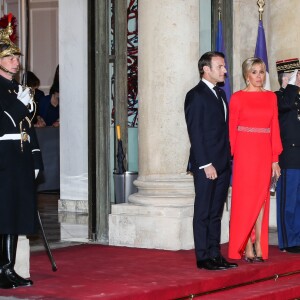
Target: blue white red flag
<point>261,51</point>
<point>220,47</point>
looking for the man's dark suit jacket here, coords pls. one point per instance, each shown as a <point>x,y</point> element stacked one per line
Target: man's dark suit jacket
<point>207,129</point>
<point>208,132</point>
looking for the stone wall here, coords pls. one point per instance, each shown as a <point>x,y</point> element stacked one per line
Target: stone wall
<point>280,19</point>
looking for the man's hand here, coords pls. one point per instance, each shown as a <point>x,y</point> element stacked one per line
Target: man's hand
<point>40,122</point>
<point>285,79</point>
<point>298,79</point>
<point>293,77</point>
<point>25,96</point>
<point>210,172</point>
<point>56,123</point>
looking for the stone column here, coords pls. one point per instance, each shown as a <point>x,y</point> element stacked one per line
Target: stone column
<point>160,214</point>
<point>73,92</point>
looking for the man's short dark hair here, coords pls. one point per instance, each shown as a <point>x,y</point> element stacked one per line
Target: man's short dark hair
<point>32,80</point>
<point>205,60</point>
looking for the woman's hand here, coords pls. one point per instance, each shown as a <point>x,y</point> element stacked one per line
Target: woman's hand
<point>275,169</point>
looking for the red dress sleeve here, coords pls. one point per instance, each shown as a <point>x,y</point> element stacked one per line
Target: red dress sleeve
<point>234,109</point>
<point>275,132</point>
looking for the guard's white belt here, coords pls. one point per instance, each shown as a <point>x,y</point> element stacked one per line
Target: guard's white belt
<point>15,136</point>
<point>10,136</point>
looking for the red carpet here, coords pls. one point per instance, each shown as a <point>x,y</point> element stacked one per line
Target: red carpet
<point>106,272</point>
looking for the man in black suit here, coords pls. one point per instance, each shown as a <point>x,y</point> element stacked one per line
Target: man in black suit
<point>206,114</point>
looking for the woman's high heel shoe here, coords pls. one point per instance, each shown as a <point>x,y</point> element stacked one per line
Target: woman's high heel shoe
<point>259,259</point>
<point>251,257</point>
<point>248,259</point>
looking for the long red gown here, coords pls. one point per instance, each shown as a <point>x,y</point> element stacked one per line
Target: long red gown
<point>254,148</point>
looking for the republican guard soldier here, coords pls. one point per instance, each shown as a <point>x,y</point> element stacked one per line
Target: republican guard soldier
<point>20,161</point>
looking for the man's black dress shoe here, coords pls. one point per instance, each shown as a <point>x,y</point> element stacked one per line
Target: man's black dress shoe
<point>209,264</point>
<point>5,283</point>
<point>222,261</point>
<point>16,279</point>
<point>295,249</point>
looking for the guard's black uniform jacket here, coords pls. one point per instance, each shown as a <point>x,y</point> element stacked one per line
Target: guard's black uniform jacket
<point>289,121</point>
<point>18,160</point>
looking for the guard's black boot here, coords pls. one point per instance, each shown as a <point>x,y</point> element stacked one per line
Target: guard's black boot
<point>4,282</point>
<point>10,250</point>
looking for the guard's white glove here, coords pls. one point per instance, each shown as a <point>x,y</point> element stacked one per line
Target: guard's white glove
<point>285,79</point>
<point>36,173</point>
<point>31,107</point>
<point>25,97</point>
<point>293,78</point>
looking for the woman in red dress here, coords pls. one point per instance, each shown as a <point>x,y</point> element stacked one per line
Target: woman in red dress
<point>255,146</point>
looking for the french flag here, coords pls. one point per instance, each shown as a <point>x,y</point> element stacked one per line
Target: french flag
<point>261,51</point>
<point>220,47</point>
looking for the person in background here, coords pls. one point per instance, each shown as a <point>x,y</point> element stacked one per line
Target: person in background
<point>206,115</point>
<point>255,146</point>
<point>288,187</point>
<point>20,162</point>
<point>34,82</point>
<point>49,105</point>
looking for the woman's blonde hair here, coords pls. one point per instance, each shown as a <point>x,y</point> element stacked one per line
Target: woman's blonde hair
<point>249,63</point>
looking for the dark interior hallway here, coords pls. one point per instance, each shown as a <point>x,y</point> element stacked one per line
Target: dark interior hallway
<point>60,227</point>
